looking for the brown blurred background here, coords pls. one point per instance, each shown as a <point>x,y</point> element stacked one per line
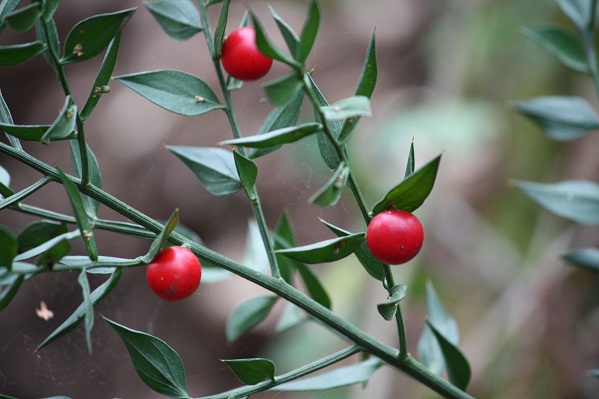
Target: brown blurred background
<point>447,73</point>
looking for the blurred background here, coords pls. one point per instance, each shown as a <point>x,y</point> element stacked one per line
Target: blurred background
<point>448,71</point>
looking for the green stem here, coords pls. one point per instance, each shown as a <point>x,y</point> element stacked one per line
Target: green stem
<point>290,376</point>
<point>279,287</point>
<point>256,204</point>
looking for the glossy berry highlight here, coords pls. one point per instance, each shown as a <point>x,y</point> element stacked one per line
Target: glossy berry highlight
<point>394,236</point>
<point>174,274</point>
<point>241,58</point>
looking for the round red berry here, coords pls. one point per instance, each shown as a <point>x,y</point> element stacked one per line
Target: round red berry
<point>241,58</point>
<point>394,236</point>
<point>174,274</point>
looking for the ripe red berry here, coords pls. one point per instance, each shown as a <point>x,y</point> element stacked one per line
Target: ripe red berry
<point>241,58</point>
<point>174,274</point>
<point>394,236</point>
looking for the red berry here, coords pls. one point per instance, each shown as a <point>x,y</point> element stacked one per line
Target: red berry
<point>174,274</point>
<point>241,58</point>
<point>394,236</point>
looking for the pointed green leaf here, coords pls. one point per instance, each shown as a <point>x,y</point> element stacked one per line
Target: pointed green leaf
<point>47,245</point>
<point>458,369</point>
<point>104,74</point>
<point>248,173</point>
<point>161,238</point>
<point>50,7</point>
<point>49,258</point>
<point>372,265</point>
<point>267,48</point>
<point>355,374</point>
<point>64,125</point>
<point>88,308</point>
<point>562,45</point>
<point>325,251</point>
<point>283,237</point>
<point>252,371</point>
<point>24,18</point>
<point>411,192</point>
<point>329,194</point>
<point>281,90</point>
<point>5,117</point>
<point>581,12</point>
<point>290,37</point>
<point>95,178</point>
<point>9,287</point>
<point>411,165</point>
<point>315,288</point>
<point>19,53</point>
<point>215,167</point>
<point>175,91</point>
<point>178,18</point>
<point>6,7</point>
<point>39,232</point>
<point>247,315</point>
<point>347,108</point>
<point>83,221</point>
<point>91,36</point>
<point>561,118</point>
<point>156,363</point>
<point>48,34</point>
<point>309,31</point>
<point>221,26</point>
<point>9,247</point>
<point>32,132</point>
<point>389,309</point>
<point>277,137</point>
<point>575,200</point>
<point>73,321</point>
<point>586,257</point>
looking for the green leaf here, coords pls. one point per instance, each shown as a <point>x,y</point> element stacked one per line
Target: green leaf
<point>11,286</point>
<point>31,132</point>
<point>247,315</point>
<point>325,251</point>
<point>586,257</point>
<point>95,178</point>
<point>575,200</point>
<point>281,90</point>
<point>91,36</point>
<point>49,258</point>
<point>349,375</point>
<point>291,317</point>
<point>280,117</point>
<point>24,18</point>
<point>175,91</point>
<point>6,7</point>
<point>83,221</point>
<point>309,31</point>
<point>47,245</point>
<point>562,45</point>
<point>277,137</point>
<point>215,167</point>
<point>64,125</point>
<point>269,49</point>
<point>290,37</point>
<point>411,165</point>
<point>19,53</point>
<point>39,232</point>
<point>315,288</point>
<point>593,373</point>
<point>221,26</point>
<point>48,34</point>
<point>254,255</point>
<point>5,117</point>
<point>329,194</point>
<point>248,173</point>
<point>561,118</point>
<point>9,247</point>
<point>156,363</point>
<point>347,108</point>
<point>75,318</point>
<point>252,371</point>
<point>389,309</point>
<point>580,12</point>
<point>372,265</point>
<point>88,308</point>
<point>161,238</point>
<point>178,18</point>
<point>5,191</point>
<point>104,74</point>
<point>458,369</point>
<point>411,192</point>
<point>365,87</point>
<point>50,7</point>
<point>283,237</point>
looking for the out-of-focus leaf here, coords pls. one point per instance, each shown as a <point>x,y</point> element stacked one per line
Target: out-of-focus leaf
<point>291,38</point>
<point>458,368</point>
<point>575,200</point>
<point>19,53</point>
<point>6,7</point>
<point>50,7</point>
<point>277,137</point>
<point>325,251</point>
<point>91,36</point>
<point>255,255</point>
<point>247,315</point>
<point>39,232</point>
<point>313,285</point>
<point>9,287</point>
<point>586,257</point>
<point>74,319</point>
<point>32,132</point>
<point>561,44</point>
<point>6,117</point>
<point>9,247</point>
<point>581,12</point>
<point>252,371</point>
<point>291,317</point>
<point>24,18</point>
<point>329,194</point>
<point>347,108</point>
<point>355,374</point>
<point>64,125</point>
<point>561,118</point>
<point>178,18</point>
<point>156,363</point>
<point>411,192</point>
<point>175,91</point>
<point>215,167</point>
<point>5,190</point>
<point>281,90</point>
<point>88,308</point>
